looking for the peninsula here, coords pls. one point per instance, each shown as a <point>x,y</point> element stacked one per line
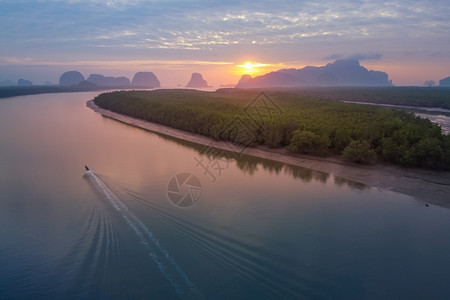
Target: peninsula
<point>286,142</point>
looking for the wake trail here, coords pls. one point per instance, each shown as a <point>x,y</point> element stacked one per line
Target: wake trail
<point>245,260</point>
<point>146,238</point>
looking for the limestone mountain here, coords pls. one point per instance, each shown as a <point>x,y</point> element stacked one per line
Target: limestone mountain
<point>145,79</point>
<point>101,80</point>
<point>23,82</point>
<point>71,78</point>
<point>197,81</point>
<point>343,72</point>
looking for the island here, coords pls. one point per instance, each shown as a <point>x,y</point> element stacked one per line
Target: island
<point>197,81</point>
<point>101,80</point>
<point>74,81</point>
<point>145,80</point>
<point>70,78</point>
<point>342,72</point>
<point>24,82</point>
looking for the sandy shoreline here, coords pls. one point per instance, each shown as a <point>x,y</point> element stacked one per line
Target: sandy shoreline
<point>428,186</point>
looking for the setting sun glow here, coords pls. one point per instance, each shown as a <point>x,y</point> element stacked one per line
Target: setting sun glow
<point>251,67</point>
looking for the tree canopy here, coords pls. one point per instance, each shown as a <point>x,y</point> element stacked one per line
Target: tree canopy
<point>289,119</point>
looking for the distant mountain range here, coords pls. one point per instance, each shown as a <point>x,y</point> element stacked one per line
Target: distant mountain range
<point>343,72</point>
<point>24,82</point>
<point>101,80</point>
<point>140,79</point>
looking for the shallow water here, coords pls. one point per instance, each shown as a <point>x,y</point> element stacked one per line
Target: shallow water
<point>259,229</point>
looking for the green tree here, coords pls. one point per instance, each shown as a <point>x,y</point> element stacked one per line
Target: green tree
<point>307,142</point>
<point>427,152</point>
<point>308,124</point>
<point>389,150</point>
<point>341,138</point>
<point>359,151</point>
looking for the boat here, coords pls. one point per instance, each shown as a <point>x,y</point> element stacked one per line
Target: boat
<point>87,169</point>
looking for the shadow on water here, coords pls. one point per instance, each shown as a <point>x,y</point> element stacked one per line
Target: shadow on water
<point>353,184</point>
<point>250,164</point>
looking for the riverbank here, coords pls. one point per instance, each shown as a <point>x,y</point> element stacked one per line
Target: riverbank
<point>14,91</point>
<point>436,115</point>
<point>428,186</point>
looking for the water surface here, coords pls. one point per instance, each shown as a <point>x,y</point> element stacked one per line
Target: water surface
<point>261,229</point>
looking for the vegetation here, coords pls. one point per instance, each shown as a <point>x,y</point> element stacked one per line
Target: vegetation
<point>304,141</point>
<point>288,119</point>
<point>359,151</point>
<point>12,91</point>
<point>404,96</point>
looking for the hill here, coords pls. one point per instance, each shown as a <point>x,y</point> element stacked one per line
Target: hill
<point>101,80</point>
<point>145,79</point>
<point>197,81</point>
<point>343,72</point>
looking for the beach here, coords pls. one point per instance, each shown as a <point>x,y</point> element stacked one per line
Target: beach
<point>425,185</point>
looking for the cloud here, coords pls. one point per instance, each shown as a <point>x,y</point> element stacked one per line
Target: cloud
<point>30,62</point>
<point>194,25</point>
<point>357,56</point>
<point>333,56</point>
<point>366,56</point>
<point>211,30</point>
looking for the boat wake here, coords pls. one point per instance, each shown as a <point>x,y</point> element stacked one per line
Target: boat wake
<point>260,270</point>
<point>167,266</point>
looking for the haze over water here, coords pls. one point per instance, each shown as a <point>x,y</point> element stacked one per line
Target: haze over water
<point>261,230</point>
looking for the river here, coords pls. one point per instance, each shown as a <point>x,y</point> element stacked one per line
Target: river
<point>148,222</point>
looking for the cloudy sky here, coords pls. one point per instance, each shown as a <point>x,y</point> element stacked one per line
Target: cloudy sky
<point>41,39</point>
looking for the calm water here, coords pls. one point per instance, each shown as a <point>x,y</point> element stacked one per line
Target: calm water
<point>261,230</point>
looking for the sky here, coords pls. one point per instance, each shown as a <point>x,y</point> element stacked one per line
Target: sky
<point>39,40</point>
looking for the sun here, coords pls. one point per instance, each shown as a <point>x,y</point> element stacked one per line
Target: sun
<point>251,68</point>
